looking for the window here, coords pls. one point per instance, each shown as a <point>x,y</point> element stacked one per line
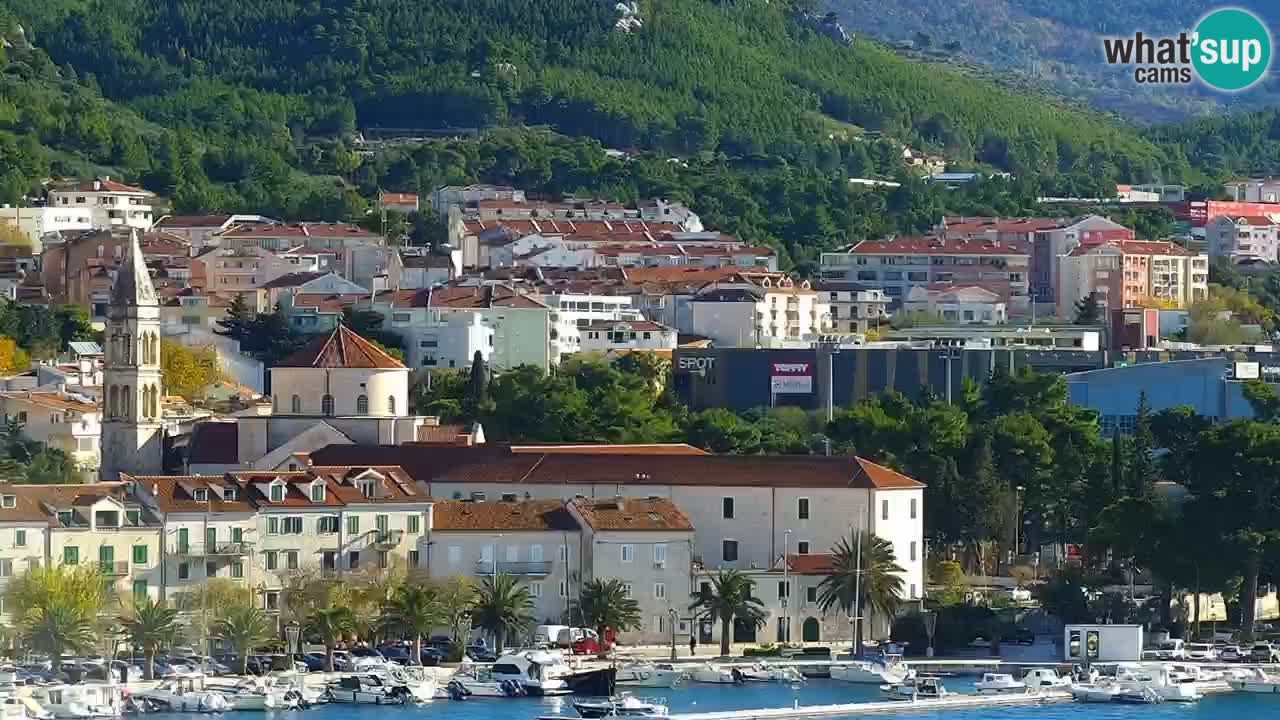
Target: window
<point>237,535</point>
<point>384,559</point>
<point>626,590</point>
<point>184,542</point>
<point>564,553</point>
<point>353,559</point>
<point>8,501</point>
<point>184,570</point>
<point>273,600</point>
<point>273,528</point>
<point>139,589</point>
<point>659,591</point>
<point>293,526</point>
<point>884,509</point>
<point>659,624</point>
<point>327,525</point>
<point>291,559</point>
<point>784,589</point>
<point>628,553</point>
<point>802,547</point>
<point>535,553</point>
<point>139,554</point>
<point>660,554</point>
<point>6,568</point>
<point>513,553</point>
<point>413,524</point>
<point>277,493</point>
<point>66,518</point>
<point>535,589</point>
<point>19,538</point>
<point>317,492</point>
<point>913,508</point>
<point>727,506</point>
<point>391,404</point>
<point>230,493</point>
<point>210,569</point>
<point>71,555</point>
<point>509,497</point>
<point>211,539</point>
<point>326,405</point>
<point>564,588</point>
<point>133,517</point>
<point>383,523</point>
<point>455,554</point>
<point>913,591</point>
<point>353,524</point>
<point>802,508</point>
<point>273,560</point>
<point>413,558</point>
<point>237,569</point>
<point>730,551</point>
<point>362,404</point>
<point>201,495</point>
<point>296,405</point>
<point>912,553</point>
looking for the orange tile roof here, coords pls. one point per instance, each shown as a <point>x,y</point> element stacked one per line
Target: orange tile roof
<point>173,493</point>
<point>341,349</point>
<point>631,514</point>
<point>487,296</point>
<point>910,245</point>
<point>530,515</point>
<point>650,449</point>
<point>820,564</point>
<point>104,185</point>
<point>51,400</point>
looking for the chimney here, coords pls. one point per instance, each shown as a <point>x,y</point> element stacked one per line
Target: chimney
<point>97,184</point>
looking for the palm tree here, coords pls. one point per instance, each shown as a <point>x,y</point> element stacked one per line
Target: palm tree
<point>729,597</point>
<point>150,627</point>
<point>331,625</point>
<point>503,607</point>
<point>880,588</point>
<point>415,608</point>
<point>605,604</point>
<point>244,627</point>
<point>58,627</point>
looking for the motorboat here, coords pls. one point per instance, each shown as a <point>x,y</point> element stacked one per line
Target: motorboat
<point>1191,672</point>
<point>765,672</point>
<point>539,672</point>
<point>82,700</point>
<point>715,674</point>
<point>420,683</point>
<point>625,705</point>
<point>1038,678</point>
<point>185,693</point>
<point>999,683</point>
<point>366,689</point>
<point>1138,696</point>
<point>269,692</point>
<point>16,703</point>
<point>1158,679</point>
<point>917,688</point>
<point>1100,692</point>
<point>1254,680</point>
<point>649,675</point>
<point>465,688</point>
<point>870,672</point>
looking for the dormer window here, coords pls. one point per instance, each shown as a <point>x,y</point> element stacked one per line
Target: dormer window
<point>8,501</point>
<point>65,517</point>
<point>317,492</point>
<point>133,517</point>
<point>277,492</point>
<point>368,488</point>
<point>230,493</point>
<point>201,495</point>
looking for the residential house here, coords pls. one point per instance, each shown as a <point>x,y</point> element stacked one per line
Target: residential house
<point>432,338</point>
<point>60,420</point>
<point>80,269</point>
<point>1052,244</point>
<point>198,230</point>
<point>966,304</point>
<point>613,335</point>
<point>450,196</point>
<point>429,269</point>
<point>228,271</point>
<point>113,204</point>
<point>398,202</point>
<point>283,290</point>
<point>37,222</point>
<point>746,310</point>
<point>1257,190</point>
<point>523,329</point>
<point>1243,237</point>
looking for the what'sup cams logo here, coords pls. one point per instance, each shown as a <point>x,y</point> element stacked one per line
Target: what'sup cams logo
<point>1229,50</point>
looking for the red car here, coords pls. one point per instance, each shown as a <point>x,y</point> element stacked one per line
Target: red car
<point>589,645</point>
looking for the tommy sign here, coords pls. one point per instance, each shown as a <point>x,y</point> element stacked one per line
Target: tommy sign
<point>791,377</point>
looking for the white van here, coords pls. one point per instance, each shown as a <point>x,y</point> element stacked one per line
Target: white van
<point>549,636</point>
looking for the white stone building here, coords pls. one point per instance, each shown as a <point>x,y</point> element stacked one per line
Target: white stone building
<point>432,338</point>
<point>964,304</point>
<point>854,308</point>
<point>122,205</point>
<point>609,335</point>
<point>1243,237</point>
<point>751,311</point>
<point>59,420</point>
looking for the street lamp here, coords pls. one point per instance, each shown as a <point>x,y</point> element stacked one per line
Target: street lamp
<point>785,595</point>
<point>675,617</point>
<point>930,619</point>
<point>1017,519</point>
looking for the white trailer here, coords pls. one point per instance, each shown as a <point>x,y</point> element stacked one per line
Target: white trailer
<point>1102,643</point>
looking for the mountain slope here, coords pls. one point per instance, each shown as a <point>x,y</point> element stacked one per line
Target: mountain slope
<point>739,77</point>
<point>1057,43</point>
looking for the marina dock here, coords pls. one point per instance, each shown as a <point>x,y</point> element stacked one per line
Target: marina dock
<point>952,702</point>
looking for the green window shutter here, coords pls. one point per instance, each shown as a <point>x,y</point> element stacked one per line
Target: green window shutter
<point>383,523</point>
<point>139,554</point>
<point>237,535</point>
<point>414,523</point>
<point>184,540</point>
<point>139,589</point>
<point>353,524</point>
<point>71,555</point>
<point>106,556</point>
<point>210,539</point>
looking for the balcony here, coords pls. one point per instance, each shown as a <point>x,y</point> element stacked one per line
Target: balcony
<point>387,539</point>
<point>539,568</point>
<point>117,568</point>
<point>220,549</point>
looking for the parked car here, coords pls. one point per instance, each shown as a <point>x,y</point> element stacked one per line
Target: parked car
<point>1202,651</point>
<point>395,653</point>
<point>432,656</point>
<point>1171,650</point>
<point>1264,653</point>
<point>205,664</point>
<point>481,654</point>
<point>1150,654</point>
<point>315,661</point>
<point>1231,653</point>
<point>589,645</point>
<point>1023,636</point>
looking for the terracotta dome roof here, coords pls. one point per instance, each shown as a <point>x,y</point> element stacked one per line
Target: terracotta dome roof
<point>342,349</point>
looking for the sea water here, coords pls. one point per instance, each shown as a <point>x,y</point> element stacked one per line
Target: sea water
<point>696,697</point>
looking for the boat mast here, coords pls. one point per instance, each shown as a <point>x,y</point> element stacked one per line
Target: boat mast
<point>857,596</point>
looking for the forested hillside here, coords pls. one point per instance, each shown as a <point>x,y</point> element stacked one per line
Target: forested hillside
<point>1057,44</point>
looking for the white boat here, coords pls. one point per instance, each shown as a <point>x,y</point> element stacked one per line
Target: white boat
<point>539,672</point>
<point>715,674</point>
<point>366,689</point>
<point>999,683</point>
<point>269,692</point>
<point>765,672</point>
<point>867,672</point>
<point>420,682</point>
<point>185,693</point>
<point>1045,678</point>
<point>625,705</point>
<point>82,700</point>
<point>919,688</point>
<point>1095,692</point>
<point>16,702</point>
<point>1255,681</point>
<point>465,688</point>
<point>1159,680</point>
<point>649,675</point>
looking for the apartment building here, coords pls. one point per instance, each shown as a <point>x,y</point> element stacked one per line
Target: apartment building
<point>198,229</point>
<point>523,329</point>
<point>80,269</point>
<point>612,335</point>
<point>1132,274</point>
<point>855,308</point>
<point>115,204</point>
<point>899,264</point>
<point>71,423</point>
<point>747,310</point>
<point>965,304</point>
<point>433,338</point>
<point>1256,190</point>
<point>1243,237</point>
